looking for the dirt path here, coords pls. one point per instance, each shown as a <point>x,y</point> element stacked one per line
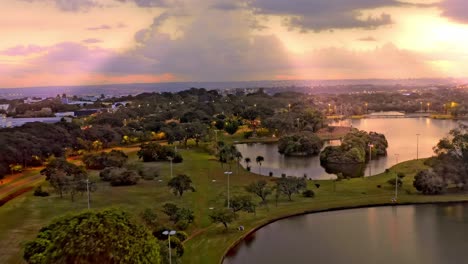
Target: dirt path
<point>19,183</point>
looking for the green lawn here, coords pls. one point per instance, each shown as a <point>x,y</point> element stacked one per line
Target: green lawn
<point>22,217</point>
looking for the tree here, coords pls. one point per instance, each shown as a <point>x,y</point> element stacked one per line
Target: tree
<point>247,161</point>
<point>304,144</point>
<point>259,160</point>
<point>177,214</point>
<point>65,176</point>
<point>242,203</point>
<point>123,177</point>
<point>290,186</point>
<point>231,127</point>
<point>180,184</point>
<point>224,216</point>
<point>393,182</point>
<point>108,236</point>
<point>260,189</point>
<point>428,182</point>
<point>150,218</point>
<point>99,161</point>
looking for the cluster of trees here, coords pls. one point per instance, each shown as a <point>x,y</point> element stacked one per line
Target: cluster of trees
<point>287,186</point>
<point>66,177</point>
<point>156,152</point>
<point>356,147</point>
<point>449,167</point>
<point>302,144</point>
<point>99,161</point>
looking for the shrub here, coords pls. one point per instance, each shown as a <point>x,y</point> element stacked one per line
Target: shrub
<point>248,134</point>
<point>379,186</point>
<point>392,182</point>
<point>148,173</point>
<point>105,174</point>
<point>177,158</point>
<point>39,192</point>
<point>387,171</point>
<point>317,185</point>
<point>270,173</point>
<point>401,175</point>
<point>123,177</point>
<point>308,193</point>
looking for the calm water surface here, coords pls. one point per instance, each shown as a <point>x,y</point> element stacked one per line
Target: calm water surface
<point>400,134</point>
<point>427,234</point>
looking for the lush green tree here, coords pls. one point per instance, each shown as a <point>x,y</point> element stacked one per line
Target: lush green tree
<point>155,152</point>
<point>180,184</point>
<point>65,177</point>
<point>123,177</point>
<point>108,236</point>
<point>224,216</point>
<point>231,127</point>
<point>259,188</point>
<point>242,203</point>
<point>304,144</point>
<point>290,185</point>
<point>150,218</point>
<point>428,182</point>
<point>99,161</point>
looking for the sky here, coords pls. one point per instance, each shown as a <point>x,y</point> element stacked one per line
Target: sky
<point>82,42</point>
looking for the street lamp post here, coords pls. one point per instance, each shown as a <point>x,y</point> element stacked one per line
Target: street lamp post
<point>370,157</point>
<point>228,173</point>
<point>87,190</point>
<point>170,159</point>
<point>396,179</point>
<point>169,234</point>
<point>417,146</point>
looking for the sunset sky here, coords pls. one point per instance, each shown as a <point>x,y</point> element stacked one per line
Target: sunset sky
<point>79,42</point>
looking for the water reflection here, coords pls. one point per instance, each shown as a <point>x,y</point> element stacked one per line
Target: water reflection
<point>400,134</point>
<point>426,234</point>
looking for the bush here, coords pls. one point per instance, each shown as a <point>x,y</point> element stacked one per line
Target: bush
<point>39,192</point>
<point>270,173</point>
<point>392,182</point>
<point>123,177</point>
<point>263,132</point>
<point>105,174</point>
<point>148,173</point>
<point>177,158</point>
<point>379,186</point>
<point>308,193</point>
<point>387,170</point>
<point>401,175</point>
<point>248,134</point>
<point>317,185</point>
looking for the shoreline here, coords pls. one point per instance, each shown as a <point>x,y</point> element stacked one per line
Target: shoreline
<point>331,209</point>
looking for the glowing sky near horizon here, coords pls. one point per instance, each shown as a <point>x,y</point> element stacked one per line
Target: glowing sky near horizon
<point>79,42</point>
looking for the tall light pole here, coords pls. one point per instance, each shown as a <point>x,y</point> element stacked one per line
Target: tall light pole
<point>170,159</point>
<point>87,189</point>
<point>228,173</point>
<point>396,179</point>
<point>370,157</point>
<point>169,234</point>
<point>428,107</point>
<point>417,146</point>
<point>420,103</point>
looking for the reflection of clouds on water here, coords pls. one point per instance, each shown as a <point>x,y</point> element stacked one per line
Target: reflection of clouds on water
<point>400,134</point>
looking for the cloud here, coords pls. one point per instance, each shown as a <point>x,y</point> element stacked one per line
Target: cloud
<point>22,50</point>
<point>101,27</point>
<point>71,5</point>
<point>91,40</point>
<point>321,15</point>
<point>151,3</point>
<point>369,39</point>
<point>455,9</point>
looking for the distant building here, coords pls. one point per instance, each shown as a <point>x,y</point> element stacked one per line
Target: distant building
<point>32,100</point>
<point>65,114</point>
<point>15,122</point>
<point>4,107</point>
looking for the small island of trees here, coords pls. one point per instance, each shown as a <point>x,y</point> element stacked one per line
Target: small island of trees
<point>302,144</point>
<point>355,147</point>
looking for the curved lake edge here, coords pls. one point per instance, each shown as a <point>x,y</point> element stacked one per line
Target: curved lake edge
<point>331,209</point>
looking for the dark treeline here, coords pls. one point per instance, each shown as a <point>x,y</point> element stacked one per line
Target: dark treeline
<point>177,117</point>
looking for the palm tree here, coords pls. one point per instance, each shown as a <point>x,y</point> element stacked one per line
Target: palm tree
<point>247,162</point>
<point>238,156</point>
<point>259,161</point>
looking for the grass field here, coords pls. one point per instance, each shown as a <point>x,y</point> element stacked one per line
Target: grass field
<point>22,217</point>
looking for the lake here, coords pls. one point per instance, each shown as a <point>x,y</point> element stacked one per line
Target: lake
<point>428,234</point>
<point>400,134</point>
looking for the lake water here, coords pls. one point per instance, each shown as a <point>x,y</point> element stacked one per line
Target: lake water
<point>400,134</point>
<point>426,234</point>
